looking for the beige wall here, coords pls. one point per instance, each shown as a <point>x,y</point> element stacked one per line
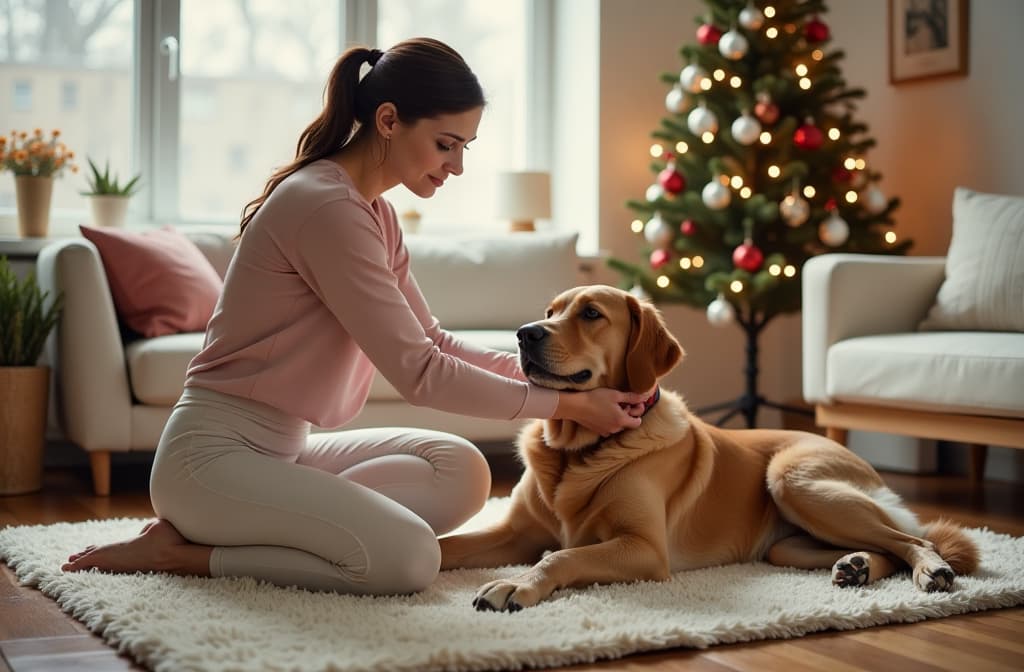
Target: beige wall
<point>932,136</point>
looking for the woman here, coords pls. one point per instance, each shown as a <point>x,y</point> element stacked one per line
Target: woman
<point>318,295</point>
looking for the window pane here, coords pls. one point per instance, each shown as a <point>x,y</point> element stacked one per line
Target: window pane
<point>253,73</point>
<point>493,42</point>
<point>68,66</point>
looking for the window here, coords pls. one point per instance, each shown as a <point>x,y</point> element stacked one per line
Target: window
<point>206,99</point>
<point>494,45</point>
<point>69,67</point>
<point>22,96</point>
<point>69,96</point>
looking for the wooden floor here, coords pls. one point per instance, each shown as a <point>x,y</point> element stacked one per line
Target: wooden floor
<point>35,635</point>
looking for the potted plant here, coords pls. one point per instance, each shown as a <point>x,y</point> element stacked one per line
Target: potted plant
<point>109,198</point>
<point>25,322</point>
<point>35,161</point>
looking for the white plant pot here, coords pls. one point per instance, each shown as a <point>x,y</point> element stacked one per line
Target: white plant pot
<point>108,210</point>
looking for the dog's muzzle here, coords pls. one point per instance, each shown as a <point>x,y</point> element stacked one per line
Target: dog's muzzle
<point>532,343</point>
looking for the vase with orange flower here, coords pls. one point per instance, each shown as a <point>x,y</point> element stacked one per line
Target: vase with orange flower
<point>35,161</point>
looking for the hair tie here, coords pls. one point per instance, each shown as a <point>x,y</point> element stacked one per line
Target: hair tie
<point>373,56</point>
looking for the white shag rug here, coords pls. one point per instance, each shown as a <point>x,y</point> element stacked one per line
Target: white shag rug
<point>177,623</point>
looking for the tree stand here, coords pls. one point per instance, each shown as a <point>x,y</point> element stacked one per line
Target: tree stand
<point>751,400</point>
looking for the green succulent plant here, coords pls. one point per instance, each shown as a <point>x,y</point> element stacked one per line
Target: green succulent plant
<point>25,320</point>
<point>105,184</point>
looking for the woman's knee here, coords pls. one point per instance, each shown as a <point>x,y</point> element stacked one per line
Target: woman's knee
<point>458,459</point>
<point>408,564</point>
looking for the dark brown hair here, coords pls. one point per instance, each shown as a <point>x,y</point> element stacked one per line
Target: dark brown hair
<point>424,78</point>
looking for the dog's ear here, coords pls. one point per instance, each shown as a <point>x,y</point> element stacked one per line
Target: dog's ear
<point>652,350</point>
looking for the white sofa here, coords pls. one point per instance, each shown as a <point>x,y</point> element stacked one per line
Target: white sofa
<point>111,396</point>
<point>867,366</point>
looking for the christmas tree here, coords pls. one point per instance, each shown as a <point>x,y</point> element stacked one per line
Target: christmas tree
<point>760,165</point>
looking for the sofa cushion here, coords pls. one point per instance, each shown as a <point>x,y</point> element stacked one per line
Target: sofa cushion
<point>156,366</point>
<point>984,284</point>
<point>495,339</point>
<point>496,282</point>
<point>160,282</point>
<point>957,372</point>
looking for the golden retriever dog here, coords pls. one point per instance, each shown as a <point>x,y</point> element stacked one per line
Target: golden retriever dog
<point>677,493</point>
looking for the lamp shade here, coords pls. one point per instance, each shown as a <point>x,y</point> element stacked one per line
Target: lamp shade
<point>523,197</point>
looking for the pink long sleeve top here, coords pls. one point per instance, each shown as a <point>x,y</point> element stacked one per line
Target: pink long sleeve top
<point>319,294</point>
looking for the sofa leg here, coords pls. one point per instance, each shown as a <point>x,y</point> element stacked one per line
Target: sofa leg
<point>837,434</point>
<point>976,464</point>
<point>100,462</point>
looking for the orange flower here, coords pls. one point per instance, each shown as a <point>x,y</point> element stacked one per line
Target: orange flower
<point>3,141</point>
<point>39,132</point>
<point>56,132</point>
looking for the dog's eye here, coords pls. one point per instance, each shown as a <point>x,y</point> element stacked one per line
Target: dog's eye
<point>590,313</point>
<point>548,313</point>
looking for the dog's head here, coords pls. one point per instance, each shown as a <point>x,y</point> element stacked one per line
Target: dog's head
<point>598,336</point>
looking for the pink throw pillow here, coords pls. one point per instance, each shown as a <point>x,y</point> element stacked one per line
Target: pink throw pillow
<point>160,281</point>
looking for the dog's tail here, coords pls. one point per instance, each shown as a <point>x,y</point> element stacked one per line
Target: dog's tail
<point>953,545</point>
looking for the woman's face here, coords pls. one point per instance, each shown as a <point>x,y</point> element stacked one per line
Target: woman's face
<point>423,155</point>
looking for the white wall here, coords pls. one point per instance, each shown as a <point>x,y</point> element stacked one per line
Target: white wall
<point>932,136</point>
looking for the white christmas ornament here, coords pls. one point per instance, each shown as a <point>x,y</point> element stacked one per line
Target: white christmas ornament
<point>746,129</point>
<point>720,312</point>
<point>675,101</point>
<point>874,200</point>
<point>715,195</point>
<point>654,192</point>
<point>658,232</point>
<point>702,120</point>
<point>834,231</point>
<point>751,18</point>
<point>795,210</point>
<point>733,45</point>
<point>691,76</point>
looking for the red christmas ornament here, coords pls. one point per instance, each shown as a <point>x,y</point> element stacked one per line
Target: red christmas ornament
<point>841,174</point>
<point>747,257</point>
<point>688,227</point>
<point>808,137</point>
<point>830,204</point>
<point>659,258</point>
<point>708,34</point>
<point>671,180</point>
<point>815,30</point>
<point>766,112</point>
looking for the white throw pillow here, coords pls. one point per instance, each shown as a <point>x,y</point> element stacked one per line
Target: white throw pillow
<point>492,282</point>
<point>984,285</point>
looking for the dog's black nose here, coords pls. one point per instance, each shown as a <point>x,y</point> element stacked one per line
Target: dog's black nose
<point>531,333</point>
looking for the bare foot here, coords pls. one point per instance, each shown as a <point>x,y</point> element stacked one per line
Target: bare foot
<point>158,548</point>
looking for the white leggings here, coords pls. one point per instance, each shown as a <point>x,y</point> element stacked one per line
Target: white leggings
<point>356,511</point>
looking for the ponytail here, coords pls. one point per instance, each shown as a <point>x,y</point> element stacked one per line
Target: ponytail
<point>422,77</point>
<point>329,132</point>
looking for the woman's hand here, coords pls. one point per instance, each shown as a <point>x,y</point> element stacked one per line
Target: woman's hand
<point>604,411</point>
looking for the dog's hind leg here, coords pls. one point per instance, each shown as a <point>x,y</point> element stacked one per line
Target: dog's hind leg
<point>849,568</point>
<point>838,498</point>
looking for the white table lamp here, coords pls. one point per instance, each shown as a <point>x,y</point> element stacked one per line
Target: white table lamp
<point>523,197</point>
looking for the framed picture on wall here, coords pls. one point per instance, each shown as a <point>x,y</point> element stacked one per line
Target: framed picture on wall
<point>927,38</point>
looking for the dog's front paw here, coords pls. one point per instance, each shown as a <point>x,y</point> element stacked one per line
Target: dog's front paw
<point>851,570</point>
<point>506,595</point>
